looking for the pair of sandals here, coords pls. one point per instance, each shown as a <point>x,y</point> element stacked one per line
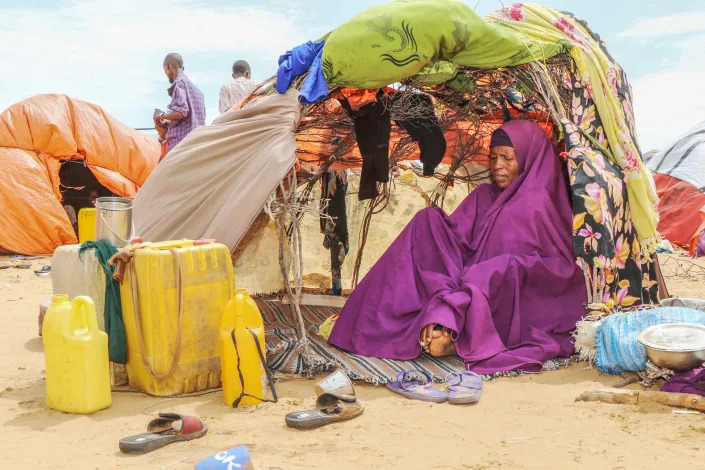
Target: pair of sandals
<point>336,402</point>
<point>461,388</point>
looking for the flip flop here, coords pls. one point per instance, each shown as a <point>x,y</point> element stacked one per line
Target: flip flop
<point>337,384</point>
<point>43,271</point>
<point>408,386</point>
<point>330,409</point>
<point>168,428</point>
<point>463,387</point>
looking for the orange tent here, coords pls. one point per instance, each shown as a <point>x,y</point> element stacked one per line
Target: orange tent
<point>36,136</point>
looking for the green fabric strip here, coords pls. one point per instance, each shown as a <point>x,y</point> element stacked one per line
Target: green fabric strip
<point>114,326</point>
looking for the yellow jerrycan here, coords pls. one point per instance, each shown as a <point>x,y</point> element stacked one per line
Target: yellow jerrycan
<point>243,353</point>
<point>86,224</point>
<point>76,357</point>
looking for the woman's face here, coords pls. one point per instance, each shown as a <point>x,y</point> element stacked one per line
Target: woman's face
<point>504,166</point>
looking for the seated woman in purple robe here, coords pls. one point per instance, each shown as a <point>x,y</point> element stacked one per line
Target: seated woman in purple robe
<point>496,282</point>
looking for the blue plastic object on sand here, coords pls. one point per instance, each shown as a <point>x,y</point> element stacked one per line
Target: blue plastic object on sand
<point>236,458</point>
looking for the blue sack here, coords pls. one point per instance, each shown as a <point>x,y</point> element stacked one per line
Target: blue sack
<point>231,459</point>
<point>619,351</point>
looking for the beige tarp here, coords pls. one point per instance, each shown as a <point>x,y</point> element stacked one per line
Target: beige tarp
<point>215,181</point>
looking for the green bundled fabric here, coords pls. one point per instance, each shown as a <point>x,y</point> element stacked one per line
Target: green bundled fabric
<point>397,40</point>
<point>114,326</point>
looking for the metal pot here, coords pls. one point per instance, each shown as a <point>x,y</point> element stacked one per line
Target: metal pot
<point>676,346</point>
<point>113,220</point>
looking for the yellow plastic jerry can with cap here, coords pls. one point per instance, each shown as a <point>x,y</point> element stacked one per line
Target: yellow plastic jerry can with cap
<point>242,367</point>
<point>76,357</point>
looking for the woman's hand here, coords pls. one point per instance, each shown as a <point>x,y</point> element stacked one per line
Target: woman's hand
<point>427,334</point>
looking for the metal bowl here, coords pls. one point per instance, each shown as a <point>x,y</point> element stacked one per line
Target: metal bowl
<point>682,302</point>
<point>676,346</point>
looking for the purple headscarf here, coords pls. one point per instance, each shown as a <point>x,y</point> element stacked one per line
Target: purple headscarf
<point>499,272</point>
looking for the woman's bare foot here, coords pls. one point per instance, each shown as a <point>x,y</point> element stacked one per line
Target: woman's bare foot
<point>441,345</point>
<point>435,334</point>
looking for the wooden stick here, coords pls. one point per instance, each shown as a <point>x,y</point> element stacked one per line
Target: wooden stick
<point>611,395</point>
<point>635,397</point>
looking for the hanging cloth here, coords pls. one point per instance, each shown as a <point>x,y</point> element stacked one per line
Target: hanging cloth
<point>114,326</point>
<point>418,118</point>
<point>296,62</point>
<point>373,127</point>
<point>334,225</point>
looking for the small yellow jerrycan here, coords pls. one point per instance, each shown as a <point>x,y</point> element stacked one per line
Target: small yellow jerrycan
<point>76,357</point>
<point>243,371</point>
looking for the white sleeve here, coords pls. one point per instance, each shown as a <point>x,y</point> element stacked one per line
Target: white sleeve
<point>224,103</point>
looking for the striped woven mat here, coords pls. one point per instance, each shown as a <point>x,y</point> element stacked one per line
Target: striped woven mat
<point>284,353</point>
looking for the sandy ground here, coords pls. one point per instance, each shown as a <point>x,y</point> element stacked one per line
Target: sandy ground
<point>524,422</point>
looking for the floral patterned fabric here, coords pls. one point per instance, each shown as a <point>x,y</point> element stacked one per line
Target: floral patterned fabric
<point>601,82</point>
<point>605,240</point>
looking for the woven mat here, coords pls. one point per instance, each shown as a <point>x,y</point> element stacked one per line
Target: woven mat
<point>284,352</point>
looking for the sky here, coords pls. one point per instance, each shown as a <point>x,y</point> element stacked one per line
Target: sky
<point>110,52</point>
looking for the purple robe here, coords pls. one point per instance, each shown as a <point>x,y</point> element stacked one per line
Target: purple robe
<point>499,273</point>
<point>686,382</point>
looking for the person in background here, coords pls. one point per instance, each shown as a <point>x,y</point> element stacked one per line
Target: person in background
<point>187,109</point>
<point>233,93</point>
<point>93,195</point>
<point>70,212</point>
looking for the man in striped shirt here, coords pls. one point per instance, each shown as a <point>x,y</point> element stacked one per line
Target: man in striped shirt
<point>187,109</point>
<point>233,93</point>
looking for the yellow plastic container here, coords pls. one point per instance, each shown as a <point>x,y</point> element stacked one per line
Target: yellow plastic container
<point>180,291</point>
<point>76,357</point>
<point>86,224</point>
<point>242,315</point>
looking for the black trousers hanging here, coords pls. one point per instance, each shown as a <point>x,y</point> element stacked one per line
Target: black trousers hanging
<point>373,127</point>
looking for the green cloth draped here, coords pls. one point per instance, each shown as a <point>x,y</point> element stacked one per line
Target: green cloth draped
<point>397,40</point>
<point>114,326</point>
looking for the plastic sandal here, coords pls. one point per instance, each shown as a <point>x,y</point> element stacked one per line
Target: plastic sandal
<point>168,428</point>
<point>43,271</point>
<point>463,387</point>
<point>330,409</point>
<point>408,385</point>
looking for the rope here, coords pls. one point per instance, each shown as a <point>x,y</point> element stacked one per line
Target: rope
<point>270,380</point>
<point>138,318</point>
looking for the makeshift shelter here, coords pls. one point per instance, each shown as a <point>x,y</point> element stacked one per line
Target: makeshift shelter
<point>40,135</point>
<point>679,173</point>
<point>525,61</point>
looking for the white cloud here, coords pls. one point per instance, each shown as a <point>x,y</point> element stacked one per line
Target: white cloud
<point>667,102</point>
<point>679,23</point>
<point>110,52</point>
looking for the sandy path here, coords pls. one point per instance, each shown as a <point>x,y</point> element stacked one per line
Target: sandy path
<point>525,422</point>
